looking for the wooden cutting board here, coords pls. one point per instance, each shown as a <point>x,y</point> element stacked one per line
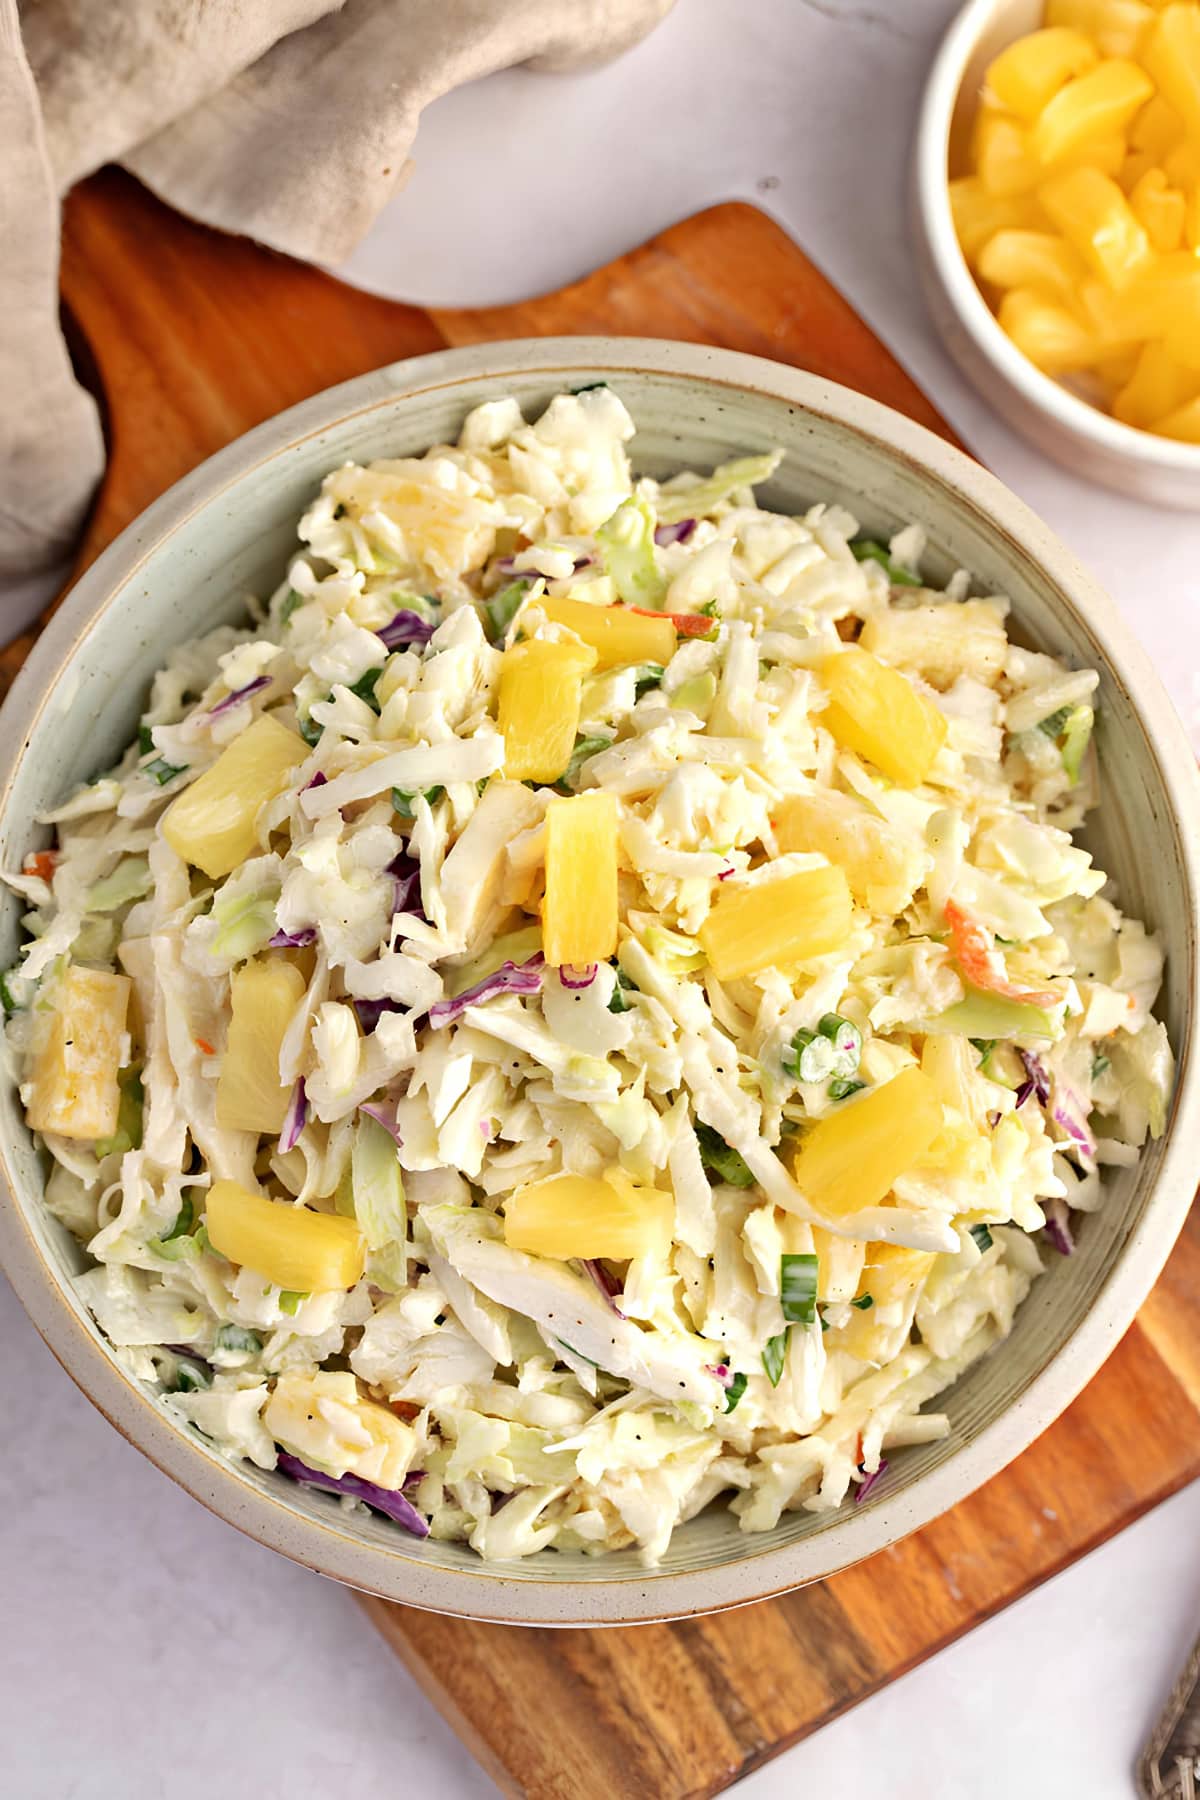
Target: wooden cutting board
<point>190,338</point>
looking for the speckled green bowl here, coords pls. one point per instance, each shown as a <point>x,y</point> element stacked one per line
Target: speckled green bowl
<point>226,531</point>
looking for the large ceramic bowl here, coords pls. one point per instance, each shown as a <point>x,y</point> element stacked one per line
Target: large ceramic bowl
<point>226,530</point>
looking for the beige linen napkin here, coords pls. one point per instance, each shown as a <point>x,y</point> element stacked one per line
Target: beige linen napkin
<point>287,120</point>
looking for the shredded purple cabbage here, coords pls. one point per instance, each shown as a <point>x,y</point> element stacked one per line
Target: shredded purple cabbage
<point>318,780</point>
<point>294,1119</point>
<point>407,627</point>
<point>507,565</point>
<point>509,978</point>
<point>1078,1134</point>
<point>405,871</point>
<point>369,1012</point>
<point>239,694</point>
<point>720,1372</point>
<point>384,1113</point>
<point>293,940</point>
<point>384,1500</point>
<point>869,1481</point>
<point>1058,1227</point>
<point>574,977</point>
<point>609,1288</point>
<point>678,533</point>
<point>1026,1088</point>
<point>1037,1075</point>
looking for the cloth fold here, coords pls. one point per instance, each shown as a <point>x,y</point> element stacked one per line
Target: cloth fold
<point>289,121</point>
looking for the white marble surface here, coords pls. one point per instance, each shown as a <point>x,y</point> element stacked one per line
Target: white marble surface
<point>151,1650</point>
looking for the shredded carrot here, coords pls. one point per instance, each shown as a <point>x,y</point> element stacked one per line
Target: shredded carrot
<point>205,1046</point>
<point>41,863</point>
<point>975,953</point>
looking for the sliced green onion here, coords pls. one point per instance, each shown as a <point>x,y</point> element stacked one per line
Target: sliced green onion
<point>1055,723</point>
<point>841,1089</point>
<point>982,1238</point>
<point>162,771</point>
<point>289,606</point>
<point>734,1391</point>
<point>310,731</point>
<point>290,1301</point>
<point>190,1376</point>
<point>1100,1063</point>
<point>236,1337</point>
<point>1075,740</point>
<point>985,1046</point>
<point>622,986</point>
<point>7,999</point>
<point>584,748</point>
<point>867,549</point>
<point>646,676</point>
<point>846,1039</point>
<point>864,1302</point>
<point>809,1057</point>
<point>365,687</point>
<point>128,1135</point>
<point>404,803</point>
<point>775,1355</point>
<point>720,1160</point>
<point>798,1288</point>
<point>145,739</point>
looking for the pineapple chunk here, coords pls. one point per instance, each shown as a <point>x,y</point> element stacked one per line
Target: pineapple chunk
<point>579,911</point>
<point>75,1088</point>
<point>839,1264</point>
<point>540,689</point>
<point>776,924</point>
<point>1031,71</point>
<point>263,997</point>
<point>212,823</point>
<point>617,634</point>
<point>1172,56</point>
<point>1006,164</point>
<point>324,1420</point>
<point>579,1216</point>
<point>978,215</point>
<point>883,869</point>
<point>1117,27</point>
<point>307,1252</point>
<point>1093,214</point>
<point>851,1158</point>
<point>876,712</point>
<point>1032,259</point>
<point>1092,107</point>
<point>892,1273</point>
<point>1050,336</point>
<point>1157,386</point>
<point>941,641</point>
<point>1160,210</point>
<point>1183,424</point>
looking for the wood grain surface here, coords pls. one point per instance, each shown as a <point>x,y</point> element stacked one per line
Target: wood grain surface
<point>190,338</point>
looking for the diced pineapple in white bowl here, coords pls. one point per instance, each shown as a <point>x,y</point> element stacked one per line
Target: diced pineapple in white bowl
<point>226,531</point>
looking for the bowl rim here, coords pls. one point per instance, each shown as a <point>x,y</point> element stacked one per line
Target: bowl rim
<point>939,99</point>
<point>483,1591</point>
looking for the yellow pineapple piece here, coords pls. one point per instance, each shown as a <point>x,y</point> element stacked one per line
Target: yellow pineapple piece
<point>1163,302</point>
<point>1117,27</point>
<point>75,1088</point>
<point>580,1216</point>
<point>776,924</point>
<point>892,1273</point>
<point>1051,337</point>
<point>876,712</point>
<point>1032,259</point>
<point>1160,210</point>
<point>941,641</point>
<point>1093,214</point>
<point>1006,164</point>
<point>1093,106</point>
<point>839,1264</point>
<point>323,1419</point>
<point>540,689</point>
<point>615,633</point>
<point>1172,58</point>
<point>1157,387</point>
<point>212,823</point>
<point>1183,424</point>
<point>306,1252</point>
<point>851,1158</point>
<point>883,869</point>
<point>978,215</point>
<point>579,911</point>
<point>1031,71</point>
<point>1157,129</point>
<point>263,998</point>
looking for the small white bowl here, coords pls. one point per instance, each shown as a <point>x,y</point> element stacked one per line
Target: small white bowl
<point>1076,434</point>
